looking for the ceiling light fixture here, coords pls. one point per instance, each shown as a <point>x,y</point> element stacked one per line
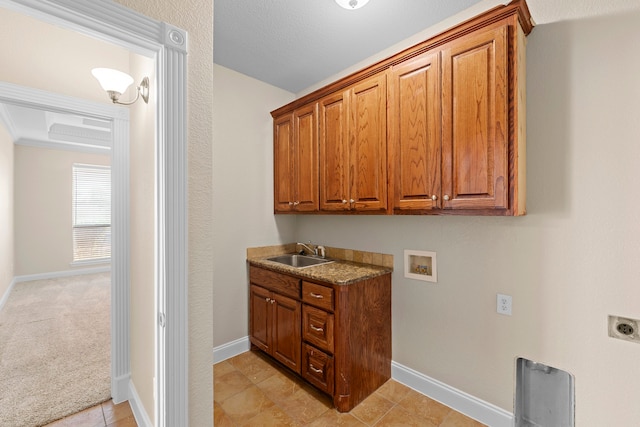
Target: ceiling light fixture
<point>115,82</point>
<point>352,4</point>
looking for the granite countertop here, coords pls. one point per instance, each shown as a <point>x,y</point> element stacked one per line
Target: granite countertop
<point>338,272</point>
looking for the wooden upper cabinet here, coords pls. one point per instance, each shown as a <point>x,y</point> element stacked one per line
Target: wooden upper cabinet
<point>283,163</point>
<point>305,166</point>
<point>368,144</point>
<point>334,152</point>
<point>439,128</point>
<point>475,166</point>
<point>415,133</point>
<point>353,148</point>
<point>296,161</point>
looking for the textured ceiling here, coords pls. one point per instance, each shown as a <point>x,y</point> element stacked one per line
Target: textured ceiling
<point>294,44</point>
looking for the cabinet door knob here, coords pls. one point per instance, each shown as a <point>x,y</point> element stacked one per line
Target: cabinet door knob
<point>446,197</point>
<point>290,203</point>
<point>296,203</point>
<point>352,201</point>
<point>434,197</point>
<point>267,299</point>
<point>344,200</point>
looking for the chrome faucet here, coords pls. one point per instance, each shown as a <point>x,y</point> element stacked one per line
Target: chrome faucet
<point>316,251</point>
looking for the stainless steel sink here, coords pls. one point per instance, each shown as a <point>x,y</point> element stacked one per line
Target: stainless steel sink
<point>299,261</point>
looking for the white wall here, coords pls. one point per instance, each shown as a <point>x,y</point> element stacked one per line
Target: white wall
<point>568,264</point>
<point>43,207</point>
<point>6,211</point>
<point>243,190</point>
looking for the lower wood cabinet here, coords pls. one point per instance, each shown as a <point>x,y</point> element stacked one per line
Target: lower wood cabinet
<point>336,337</point>
<point>317,368</point>
<point>275,326</point>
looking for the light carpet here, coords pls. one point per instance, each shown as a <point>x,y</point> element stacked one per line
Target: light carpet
<point>54,349</point>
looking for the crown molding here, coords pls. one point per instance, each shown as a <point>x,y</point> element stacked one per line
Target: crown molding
<point>63,145</point>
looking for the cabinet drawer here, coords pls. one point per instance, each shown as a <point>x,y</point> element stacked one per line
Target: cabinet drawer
<point>317,368</point>
<point>281,283</point>
<point>317,327</point>
<point>318,295</point>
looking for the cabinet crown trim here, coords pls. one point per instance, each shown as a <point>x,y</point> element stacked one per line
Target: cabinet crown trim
<point>518,8</point>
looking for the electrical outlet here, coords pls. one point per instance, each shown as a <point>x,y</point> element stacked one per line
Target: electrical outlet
<point>504,304</point>
<point>624,328</point>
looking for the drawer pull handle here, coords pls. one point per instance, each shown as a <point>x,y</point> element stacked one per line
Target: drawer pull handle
<point>315,328</point>
<point>318,296</point>
<point>314,369</point>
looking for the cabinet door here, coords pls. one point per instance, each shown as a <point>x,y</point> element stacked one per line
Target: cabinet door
<point>368,143</point>
<point>283,194</point>
<point>415,133</point>
<point>286,331</point>
<point>305,159</point>
<point>259,317</point>
<point>475,122</point>
<point>334,153</point>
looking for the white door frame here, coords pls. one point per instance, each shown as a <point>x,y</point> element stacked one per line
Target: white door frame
<point>119,118</point>
<point>114,23</point>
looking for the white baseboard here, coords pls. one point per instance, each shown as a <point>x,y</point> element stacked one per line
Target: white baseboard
<point>65,273</point>
<point>141,416</point>
<point>462,402</point>
<point>5,297</point>
<point>120,387</point>
<point>230,349</point>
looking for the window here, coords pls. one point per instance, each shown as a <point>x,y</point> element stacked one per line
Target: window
<point>91,213</point>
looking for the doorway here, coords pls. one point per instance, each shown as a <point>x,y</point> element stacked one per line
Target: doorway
<point>166,45</point>
<point>40,102</point>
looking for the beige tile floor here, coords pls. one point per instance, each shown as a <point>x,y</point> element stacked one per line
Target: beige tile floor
<point>250,390</point>
<point>106,414</point>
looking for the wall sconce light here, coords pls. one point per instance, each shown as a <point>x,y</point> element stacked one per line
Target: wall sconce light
<point>115,82</point>
<point>352,4</point>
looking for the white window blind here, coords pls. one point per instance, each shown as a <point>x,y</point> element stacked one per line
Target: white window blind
<point>91,212</point>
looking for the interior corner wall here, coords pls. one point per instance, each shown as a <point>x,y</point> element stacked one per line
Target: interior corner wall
<point>243,187</point>
<point>570,262</point>
<point>43,207</point>
<point>6,211</point>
